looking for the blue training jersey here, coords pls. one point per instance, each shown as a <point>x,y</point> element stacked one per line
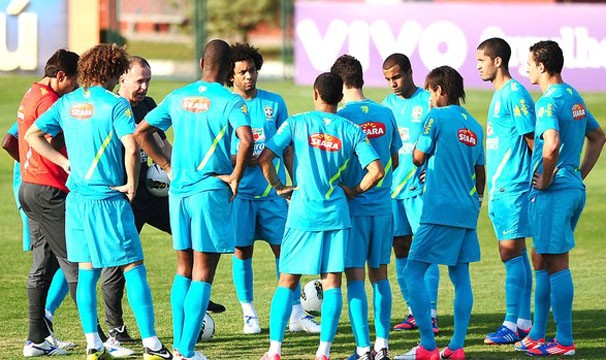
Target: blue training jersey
<point>267,111</point>
<point>561,108</point>
<point>93,121</point>
<point>410,115</point>
<point>203,116</point>
<point>453,140</point>
<point>323,145</point>
<point>379,125</point>
<point>510,117</point>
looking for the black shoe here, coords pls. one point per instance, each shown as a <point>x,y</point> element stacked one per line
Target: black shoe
<point>121,334</point>
<point>101,333</point>
<point>215,308</point>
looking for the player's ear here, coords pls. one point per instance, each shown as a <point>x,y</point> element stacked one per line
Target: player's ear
<point>61,76</point>
<point>498,61</point>
<point>316,94</point>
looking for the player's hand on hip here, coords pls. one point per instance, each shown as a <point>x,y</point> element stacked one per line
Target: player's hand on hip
<point>128,189</point>
<point>286,192</point>
<point>233,183</point>
<point>542,182</point>
<point>349,192</point>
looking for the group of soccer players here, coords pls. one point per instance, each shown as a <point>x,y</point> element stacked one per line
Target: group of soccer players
<point>363,177</point>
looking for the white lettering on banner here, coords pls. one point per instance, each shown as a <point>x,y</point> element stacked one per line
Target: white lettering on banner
<point>441,42</point>
<point>25,55</point>
<point>581,50</point>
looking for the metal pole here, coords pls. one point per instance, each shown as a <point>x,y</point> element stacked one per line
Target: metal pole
<point>199,31</point>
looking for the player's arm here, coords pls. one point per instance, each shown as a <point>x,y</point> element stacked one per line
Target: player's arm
<point>529,138</point>
<point>37,140</point>
<point>551,153</point>
<point>395,161</point>
<point>595,143</point>
<point>480,181</point>
<point>144,135</point>
<point>132,163</point>
<point>374,173</point>
<point>245,150</point>
<point>288,157</point>
<point>269,172</point>
<point>11,145</point>
<point>418,157</point>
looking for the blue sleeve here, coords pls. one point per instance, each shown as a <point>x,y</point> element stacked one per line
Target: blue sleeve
<point>523,112</point>
<point>546,116</point>
<point>592,123</point>
<point>282,112</point>
<point>481,160</point>
<point>427,138</point>
<point>50,121</point>
<point>238,113</point>
<point>14,130</point>
<point>124,122</point>
<point>283,137</point>
<point>160,116</point>
<point>362,148</point>
<point>396,143</point>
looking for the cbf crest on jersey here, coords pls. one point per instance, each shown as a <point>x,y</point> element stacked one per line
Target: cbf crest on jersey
<point>417,113</point>
<point>325,142</point>
<point>373,129</point>
<point>269,113</point>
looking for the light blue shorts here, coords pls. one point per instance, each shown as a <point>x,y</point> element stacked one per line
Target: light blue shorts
<point>313,252</point>
<point>447,245</point>
<point>553,217</point>
<point>101,232</point>
<point>202,222</point>
<point>370,239</point>
<point>509,216</point>
<point>406,215</point>
<point>259,220</point>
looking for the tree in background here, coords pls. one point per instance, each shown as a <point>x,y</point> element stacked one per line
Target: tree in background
<point>236,18</point>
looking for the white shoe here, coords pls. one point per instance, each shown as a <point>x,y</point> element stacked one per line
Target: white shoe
<point>65,345</point>
<point>251,325</point>
<point>116,350</point>
<point>197,356</point>
<point>44,349</point>
<point>306,323</point>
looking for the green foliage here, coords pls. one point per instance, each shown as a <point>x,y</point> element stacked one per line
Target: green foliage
<point>235,18</point>
<point>487,276</point>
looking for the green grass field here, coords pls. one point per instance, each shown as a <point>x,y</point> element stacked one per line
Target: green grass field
<point>229,343</point>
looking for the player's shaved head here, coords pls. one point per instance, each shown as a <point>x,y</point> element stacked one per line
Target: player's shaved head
<point>449,80</point>
<point>496,47</point>
<point>217,56</point>
<point>397,59</point>
<point>350,70</point>
<point>329,87</point>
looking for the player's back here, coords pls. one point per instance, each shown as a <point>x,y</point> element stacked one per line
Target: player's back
<point>202,115</point>
<point>508,158</point>
<point>410,114</point>
<point>450,197</point>
<point>562,108</point>
<point>378,123</point>
<point>93,121</point>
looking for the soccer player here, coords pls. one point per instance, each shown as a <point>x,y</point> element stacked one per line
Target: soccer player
<point>370,236</point>
<point>323,144</point>
<point>203,115</point>
<point>42,196</point>
<point>258,211</point>
<point>557,196</point>
<point>509,141</point>
<point>410,105</point>
<point>100,227</point>
<point>451,144</point>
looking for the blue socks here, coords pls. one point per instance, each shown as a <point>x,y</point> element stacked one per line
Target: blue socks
<point>463,303</point>
<point>196,302</point>
<point>140,300</point>
<point>281,306</point>
<point>358,312</point>
<point>542,304</point>
<point>514,275</point>
<point>524,305</point>
<point>432,280</point>
<point>243,279</point>
<point>56,292</point>
<point>86,295</point>
<point>400,266</point>
<point>562,294</point>
<point>419,301</point>
<point>382,307</point>
<point>179,290</point>
<point>332,305</point>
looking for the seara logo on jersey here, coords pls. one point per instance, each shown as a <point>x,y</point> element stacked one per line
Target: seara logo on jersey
<point>373,129</point>
<point>325,142</point>
<point>195,104</point>
<point>578,111</point>
<point>82,111</point>
<point>467,137</point>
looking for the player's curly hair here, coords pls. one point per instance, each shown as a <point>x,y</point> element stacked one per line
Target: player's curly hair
<point>242,52</point>
<point>449,80</point>
<point>349,69</point>
<point>549,54</point>
<point>102,63</point>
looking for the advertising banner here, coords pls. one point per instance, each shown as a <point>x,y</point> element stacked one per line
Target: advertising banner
<point>435,34</point>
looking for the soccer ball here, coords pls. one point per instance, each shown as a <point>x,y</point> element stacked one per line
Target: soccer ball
<point>311,297</point>
<point>157,181</point>
<point>208,328</point>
